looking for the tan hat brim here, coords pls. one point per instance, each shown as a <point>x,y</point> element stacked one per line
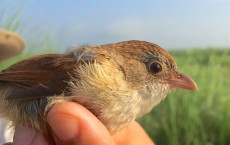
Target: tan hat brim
<point>10,44</point>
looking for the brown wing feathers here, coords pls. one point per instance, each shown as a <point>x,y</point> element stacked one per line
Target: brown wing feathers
<point>44,75</point>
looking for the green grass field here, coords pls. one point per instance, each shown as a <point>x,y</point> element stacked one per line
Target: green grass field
<point>186,117</point>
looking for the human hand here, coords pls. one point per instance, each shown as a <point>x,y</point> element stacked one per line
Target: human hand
<point>72,124</point>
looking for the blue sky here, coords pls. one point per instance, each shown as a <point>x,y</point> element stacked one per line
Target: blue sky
<point>169,23</point>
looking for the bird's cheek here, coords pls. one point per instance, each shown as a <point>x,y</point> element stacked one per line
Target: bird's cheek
<point>179,80</point>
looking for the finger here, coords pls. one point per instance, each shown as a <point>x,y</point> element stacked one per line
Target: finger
<point>133,134</point>
<point>40,140</point>
<point>8,143</point>
<point>73,124</point>
<point>25,135</point>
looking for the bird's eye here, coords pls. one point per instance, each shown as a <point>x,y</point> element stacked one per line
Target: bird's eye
<point>155,68</point>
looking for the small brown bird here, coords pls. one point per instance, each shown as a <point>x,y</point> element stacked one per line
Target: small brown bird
<point>117,82</point>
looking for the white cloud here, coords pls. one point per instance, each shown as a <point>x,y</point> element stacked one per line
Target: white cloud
<point>129,29</point>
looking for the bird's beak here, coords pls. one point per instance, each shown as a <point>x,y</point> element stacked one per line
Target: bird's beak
<point>178,80</point>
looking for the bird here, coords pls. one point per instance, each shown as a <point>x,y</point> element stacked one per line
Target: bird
<point>117,82</point>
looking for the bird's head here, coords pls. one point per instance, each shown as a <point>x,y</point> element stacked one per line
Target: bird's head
<point>161,68</point>
<point>144,63</point>
<point>150,70</point>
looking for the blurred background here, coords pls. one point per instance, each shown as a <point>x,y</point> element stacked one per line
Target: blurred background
<point>195,32</point>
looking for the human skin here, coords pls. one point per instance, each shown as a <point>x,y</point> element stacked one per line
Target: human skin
<point>72,124</point>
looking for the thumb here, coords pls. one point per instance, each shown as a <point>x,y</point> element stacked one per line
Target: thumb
<point>73,124</point>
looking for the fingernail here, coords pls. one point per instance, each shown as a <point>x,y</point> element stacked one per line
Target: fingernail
<point>64,126</point>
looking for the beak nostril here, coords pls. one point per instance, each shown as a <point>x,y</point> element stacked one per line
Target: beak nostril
<point>182,81</point>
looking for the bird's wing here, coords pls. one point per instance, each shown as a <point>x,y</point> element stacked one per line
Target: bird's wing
<point>39,76</point>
